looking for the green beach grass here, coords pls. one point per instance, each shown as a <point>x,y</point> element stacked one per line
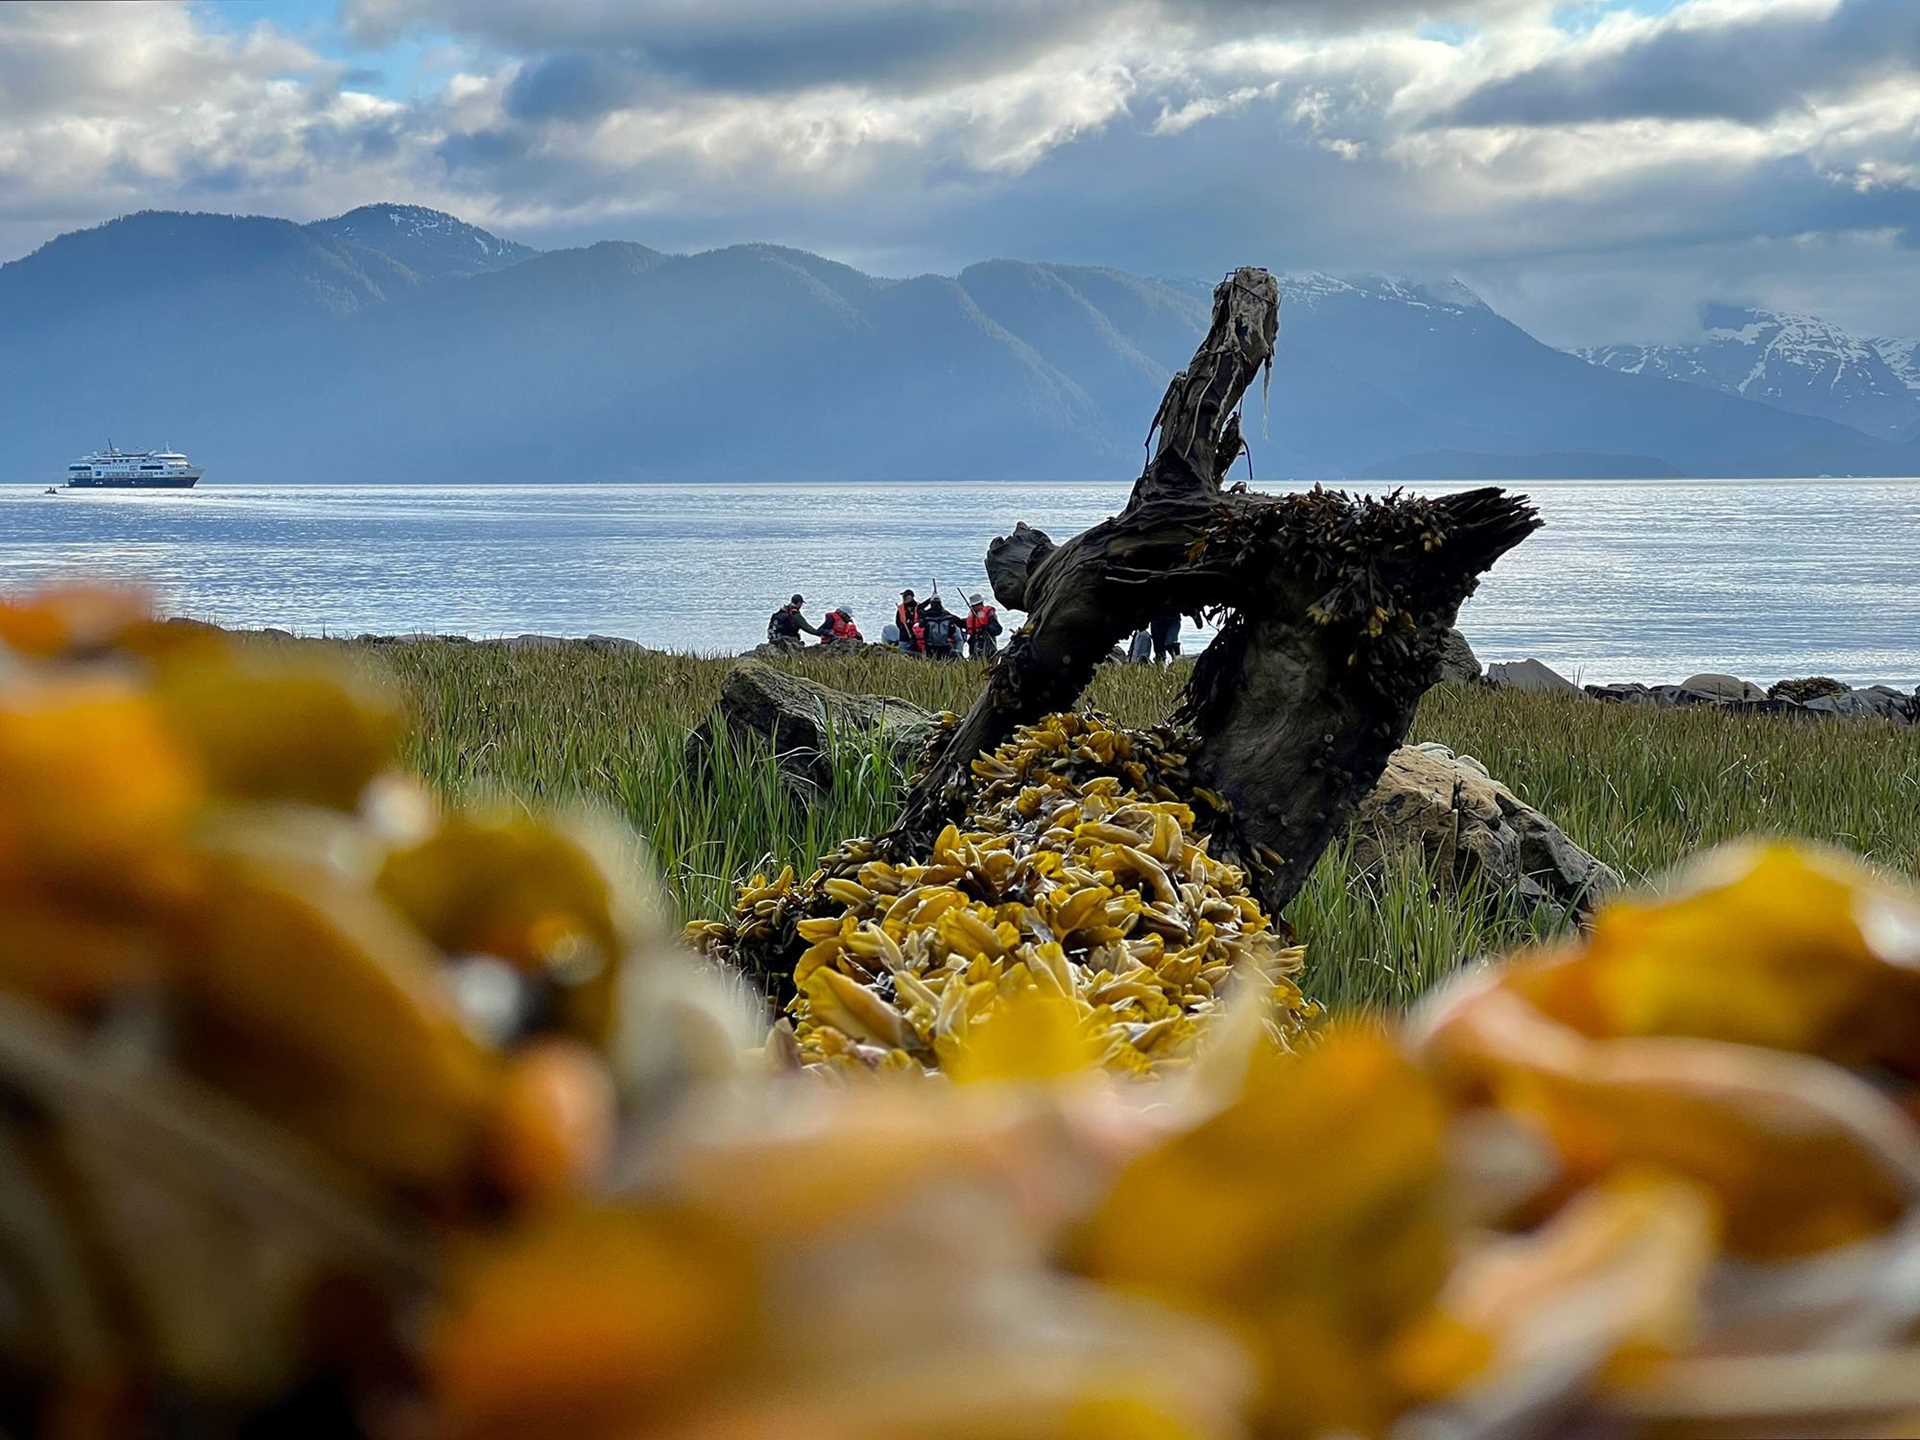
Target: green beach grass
<point>1640,788</point>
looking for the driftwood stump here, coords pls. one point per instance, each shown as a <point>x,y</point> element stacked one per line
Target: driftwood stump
<point>1333,612</point>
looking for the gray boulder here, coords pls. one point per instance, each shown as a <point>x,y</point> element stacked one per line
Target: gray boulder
<point>1471,825</point>
<point>534,642</point>
<point>1624,692</point>
<point>1458,664</point>
<point>1726,689</point>
<point>614,644</point>
<point>791,649</point>
<point>774,650</point>
<point>1530,675</point>
<point>802,719</point>
<point>1876,702</point>
<point>1627,692</point>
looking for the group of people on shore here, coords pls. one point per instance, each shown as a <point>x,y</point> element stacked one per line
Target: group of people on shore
<point>919,627</point>
<point>927,628</point>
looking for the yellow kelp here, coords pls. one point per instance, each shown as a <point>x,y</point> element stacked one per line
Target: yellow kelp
<point>1077,874</point>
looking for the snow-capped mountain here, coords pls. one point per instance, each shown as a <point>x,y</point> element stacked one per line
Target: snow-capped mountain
<point>1798,363</point>
<point>431,243</point>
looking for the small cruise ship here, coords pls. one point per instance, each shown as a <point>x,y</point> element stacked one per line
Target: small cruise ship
<point>112,469</point>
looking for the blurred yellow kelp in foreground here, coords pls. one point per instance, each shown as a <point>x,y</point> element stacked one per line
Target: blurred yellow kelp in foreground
<point>325,1111</point>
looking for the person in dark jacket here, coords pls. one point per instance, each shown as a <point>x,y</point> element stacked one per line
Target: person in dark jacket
<point>1166,637</point>
<point>941,631</point>
<point>983,628</point>
<point>786,625</point>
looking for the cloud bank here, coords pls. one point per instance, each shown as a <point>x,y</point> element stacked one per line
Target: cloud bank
<point>1595,168</point>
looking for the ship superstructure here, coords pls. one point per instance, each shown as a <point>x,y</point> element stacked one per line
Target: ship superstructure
<point>112,469</point>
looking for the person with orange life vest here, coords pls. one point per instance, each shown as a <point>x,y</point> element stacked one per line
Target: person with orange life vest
<point>983,628</point>
<point>911,637</point>
<point>838,628</point>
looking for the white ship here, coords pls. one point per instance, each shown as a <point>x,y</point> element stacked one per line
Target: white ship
<point>112,469</point>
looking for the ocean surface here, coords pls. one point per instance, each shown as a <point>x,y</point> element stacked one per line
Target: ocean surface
<point>1629,580</point>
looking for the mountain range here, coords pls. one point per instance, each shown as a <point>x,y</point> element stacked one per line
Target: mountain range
<point>399,343</point>
<point>1799,363</point>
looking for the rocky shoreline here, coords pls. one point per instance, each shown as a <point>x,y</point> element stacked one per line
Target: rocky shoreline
<point>610,644</point>
<point>1816,697</point>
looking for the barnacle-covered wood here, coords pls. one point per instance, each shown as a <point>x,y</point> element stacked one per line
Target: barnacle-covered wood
<point>1011,559</point>
<point>1340,610</point>
<point>1333,608</point>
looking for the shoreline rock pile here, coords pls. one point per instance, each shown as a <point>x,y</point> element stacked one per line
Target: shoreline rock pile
<point>1816,697</point>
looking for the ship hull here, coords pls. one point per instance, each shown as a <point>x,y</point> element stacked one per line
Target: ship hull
<point>133,482</point>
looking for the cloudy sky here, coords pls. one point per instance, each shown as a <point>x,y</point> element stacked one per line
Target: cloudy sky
<point>1595,168</point>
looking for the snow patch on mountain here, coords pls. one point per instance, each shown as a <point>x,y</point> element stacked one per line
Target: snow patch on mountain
<point>1311,288</point>
<point>1794,362</point>
<point>431,243</point>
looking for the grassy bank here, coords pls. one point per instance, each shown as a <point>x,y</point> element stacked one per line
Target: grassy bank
<point>1639,788</point>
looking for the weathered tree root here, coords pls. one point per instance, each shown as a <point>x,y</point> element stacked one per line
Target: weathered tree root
<point>1333,611</point>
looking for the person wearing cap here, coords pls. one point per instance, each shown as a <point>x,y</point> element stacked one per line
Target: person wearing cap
<point>983,628</point>
<point>906,619</point>
<point>838,627</point>
<point>785,625</point>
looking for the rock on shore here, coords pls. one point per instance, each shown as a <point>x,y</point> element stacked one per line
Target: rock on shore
<point>1458,664</point>
<point>1875,702</point>
<point>1533,676</point>
<point>800,718</point>
<point>1816,697</point>
<point>1471,825</point>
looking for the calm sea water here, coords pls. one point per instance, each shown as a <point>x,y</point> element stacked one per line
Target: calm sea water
<point>1629,580</point>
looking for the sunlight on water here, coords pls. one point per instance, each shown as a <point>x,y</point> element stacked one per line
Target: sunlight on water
<point>1630,580</point>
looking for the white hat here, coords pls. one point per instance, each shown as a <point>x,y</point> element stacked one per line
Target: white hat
<point>976,598</point>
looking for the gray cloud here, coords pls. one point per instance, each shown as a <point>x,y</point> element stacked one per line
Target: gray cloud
<point>757,45</point>
<point>575,85</point>
<point>1747,69</point>
<point>1168,136</point>
<point>774,46</point>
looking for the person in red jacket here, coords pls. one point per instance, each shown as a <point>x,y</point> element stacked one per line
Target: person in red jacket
<point>983,628</point>
<point>838,628</point>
